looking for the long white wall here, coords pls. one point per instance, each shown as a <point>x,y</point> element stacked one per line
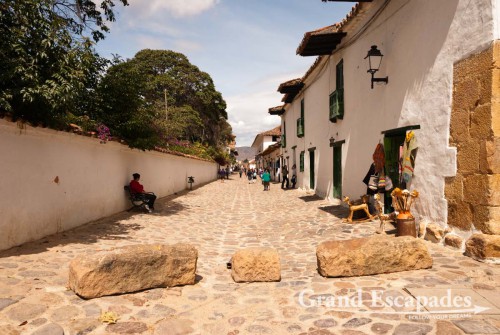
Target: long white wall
<point>420,40</point>
<point>53,181</point>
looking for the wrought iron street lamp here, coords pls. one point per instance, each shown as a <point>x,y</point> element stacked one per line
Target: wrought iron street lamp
<point>374,60</point>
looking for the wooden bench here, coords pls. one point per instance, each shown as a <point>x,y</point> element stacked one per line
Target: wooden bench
<point>137,199</point>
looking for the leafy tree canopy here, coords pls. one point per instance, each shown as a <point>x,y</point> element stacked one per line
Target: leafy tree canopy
<point>46,61</point>
<point>196,110</point>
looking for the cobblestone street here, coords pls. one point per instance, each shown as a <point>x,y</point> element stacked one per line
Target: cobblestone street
<point>218,219</point>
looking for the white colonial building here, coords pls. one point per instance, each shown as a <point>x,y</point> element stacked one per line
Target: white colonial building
<point>439,77</point>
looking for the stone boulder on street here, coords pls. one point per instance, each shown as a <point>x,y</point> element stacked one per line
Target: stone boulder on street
<point>434,233</point>
<point>483,247</point>
<point>373,255</point>
<point>132,268</point>
<point>454,241</point>
<point>256,265</point>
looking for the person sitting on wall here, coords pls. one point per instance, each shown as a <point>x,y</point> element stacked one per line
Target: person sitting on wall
<point>137,188</point>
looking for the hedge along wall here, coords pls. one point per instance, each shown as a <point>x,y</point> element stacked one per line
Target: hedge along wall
<point>52,181</point>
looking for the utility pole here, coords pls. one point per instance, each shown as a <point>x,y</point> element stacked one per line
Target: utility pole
<point>166,106</point>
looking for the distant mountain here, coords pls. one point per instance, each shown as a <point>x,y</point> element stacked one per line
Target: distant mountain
<point>245,153</point>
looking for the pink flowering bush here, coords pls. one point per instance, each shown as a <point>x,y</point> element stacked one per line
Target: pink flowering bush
<point>103,133</point>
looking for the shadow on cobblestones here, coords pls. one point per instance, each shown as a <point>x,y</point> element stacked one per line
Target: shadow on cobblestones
<point>309,198</point>
<point>336,210</point>
<point>117,227</point>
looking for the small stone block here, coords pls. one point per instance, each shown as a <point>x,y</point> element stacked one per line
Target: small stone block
<point>454,241</point>
<point>373,255</point>
<point>256,265</point>
<point>434,233</point>
<point>483,247</point>
<point>132,269</point>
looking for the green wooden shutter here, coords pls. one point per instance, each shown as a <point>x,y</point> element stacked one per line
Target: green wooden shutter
<point>302,112</point>
<point>301,161</point>
<point>338,104</point>
<point>300,128</point>
<point>333,107</point>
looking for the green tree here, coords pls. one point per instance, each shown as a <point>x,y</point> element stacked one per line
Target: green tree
<point>46,61</point>
<point>185,84</point>
<point>196,110</point>
<point>123,108</point>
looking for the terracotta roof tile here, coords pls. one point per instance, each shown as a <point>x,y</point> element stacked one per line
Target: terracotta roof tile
<point>273,132</point>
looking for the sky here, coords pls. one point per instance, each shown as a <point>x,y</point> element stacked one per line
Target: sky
<point>247,47</point>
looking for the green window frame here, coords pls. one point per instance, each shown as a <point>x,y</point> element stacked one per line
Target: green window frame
<point>302,112</point>
<point>337,96</point>
<point>301,160</point>
<point>300,127</point>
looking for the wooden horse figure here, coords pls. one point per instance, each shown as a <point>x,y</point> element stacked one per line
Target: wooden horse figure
<point>381,216</point>
<point>360,205</point>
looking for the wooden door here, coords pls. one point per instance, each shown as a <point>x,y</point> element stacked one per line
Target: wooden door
<point>311,169</point>
<point>337,172</point>
<point>392,161</point>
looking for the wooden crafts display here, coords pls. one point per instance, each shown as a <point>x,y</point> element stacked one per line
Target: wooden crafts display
<point>359,205</point>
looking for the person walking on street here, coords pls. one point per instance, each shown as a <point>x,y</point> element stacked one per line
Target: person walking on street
<point>221,175</point>
<point>284,172</point>
<point>249,176</point>
<point>266,179</point>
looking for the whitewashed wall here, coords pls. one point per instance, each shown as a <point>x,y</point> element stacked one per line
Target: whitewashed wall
<point>496,17</point>
<point>90,177</point>
<point>266,142</point>
<point>420,40</point>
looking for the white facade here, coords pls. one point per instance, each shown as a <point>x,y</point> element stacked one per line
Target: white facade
<point>262,142</point>
<point>420,40</point>
<point>54,181</point>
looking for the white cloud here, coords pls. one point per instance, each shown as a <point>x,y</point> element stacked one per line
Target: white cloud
<point>248,114</point>
<point>177,8</point>
<point>185,46</point>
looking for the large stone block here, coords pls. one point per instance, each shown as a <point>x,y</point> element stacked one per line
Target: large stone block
<point>132,268</point>
<point>468,157</point>
<point>434,233</point>
<point>490,156</point>
<point>482,189</point>
<point>459,126</point>
<point>483,247</point>
<point>459,215</point>
<point>256,265</point>
<point>466,94</point>
<point>454,188</point>
<point>373,255</point>
<point>481,122</point>
<point>487,219</point>
<point>495,112</point>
